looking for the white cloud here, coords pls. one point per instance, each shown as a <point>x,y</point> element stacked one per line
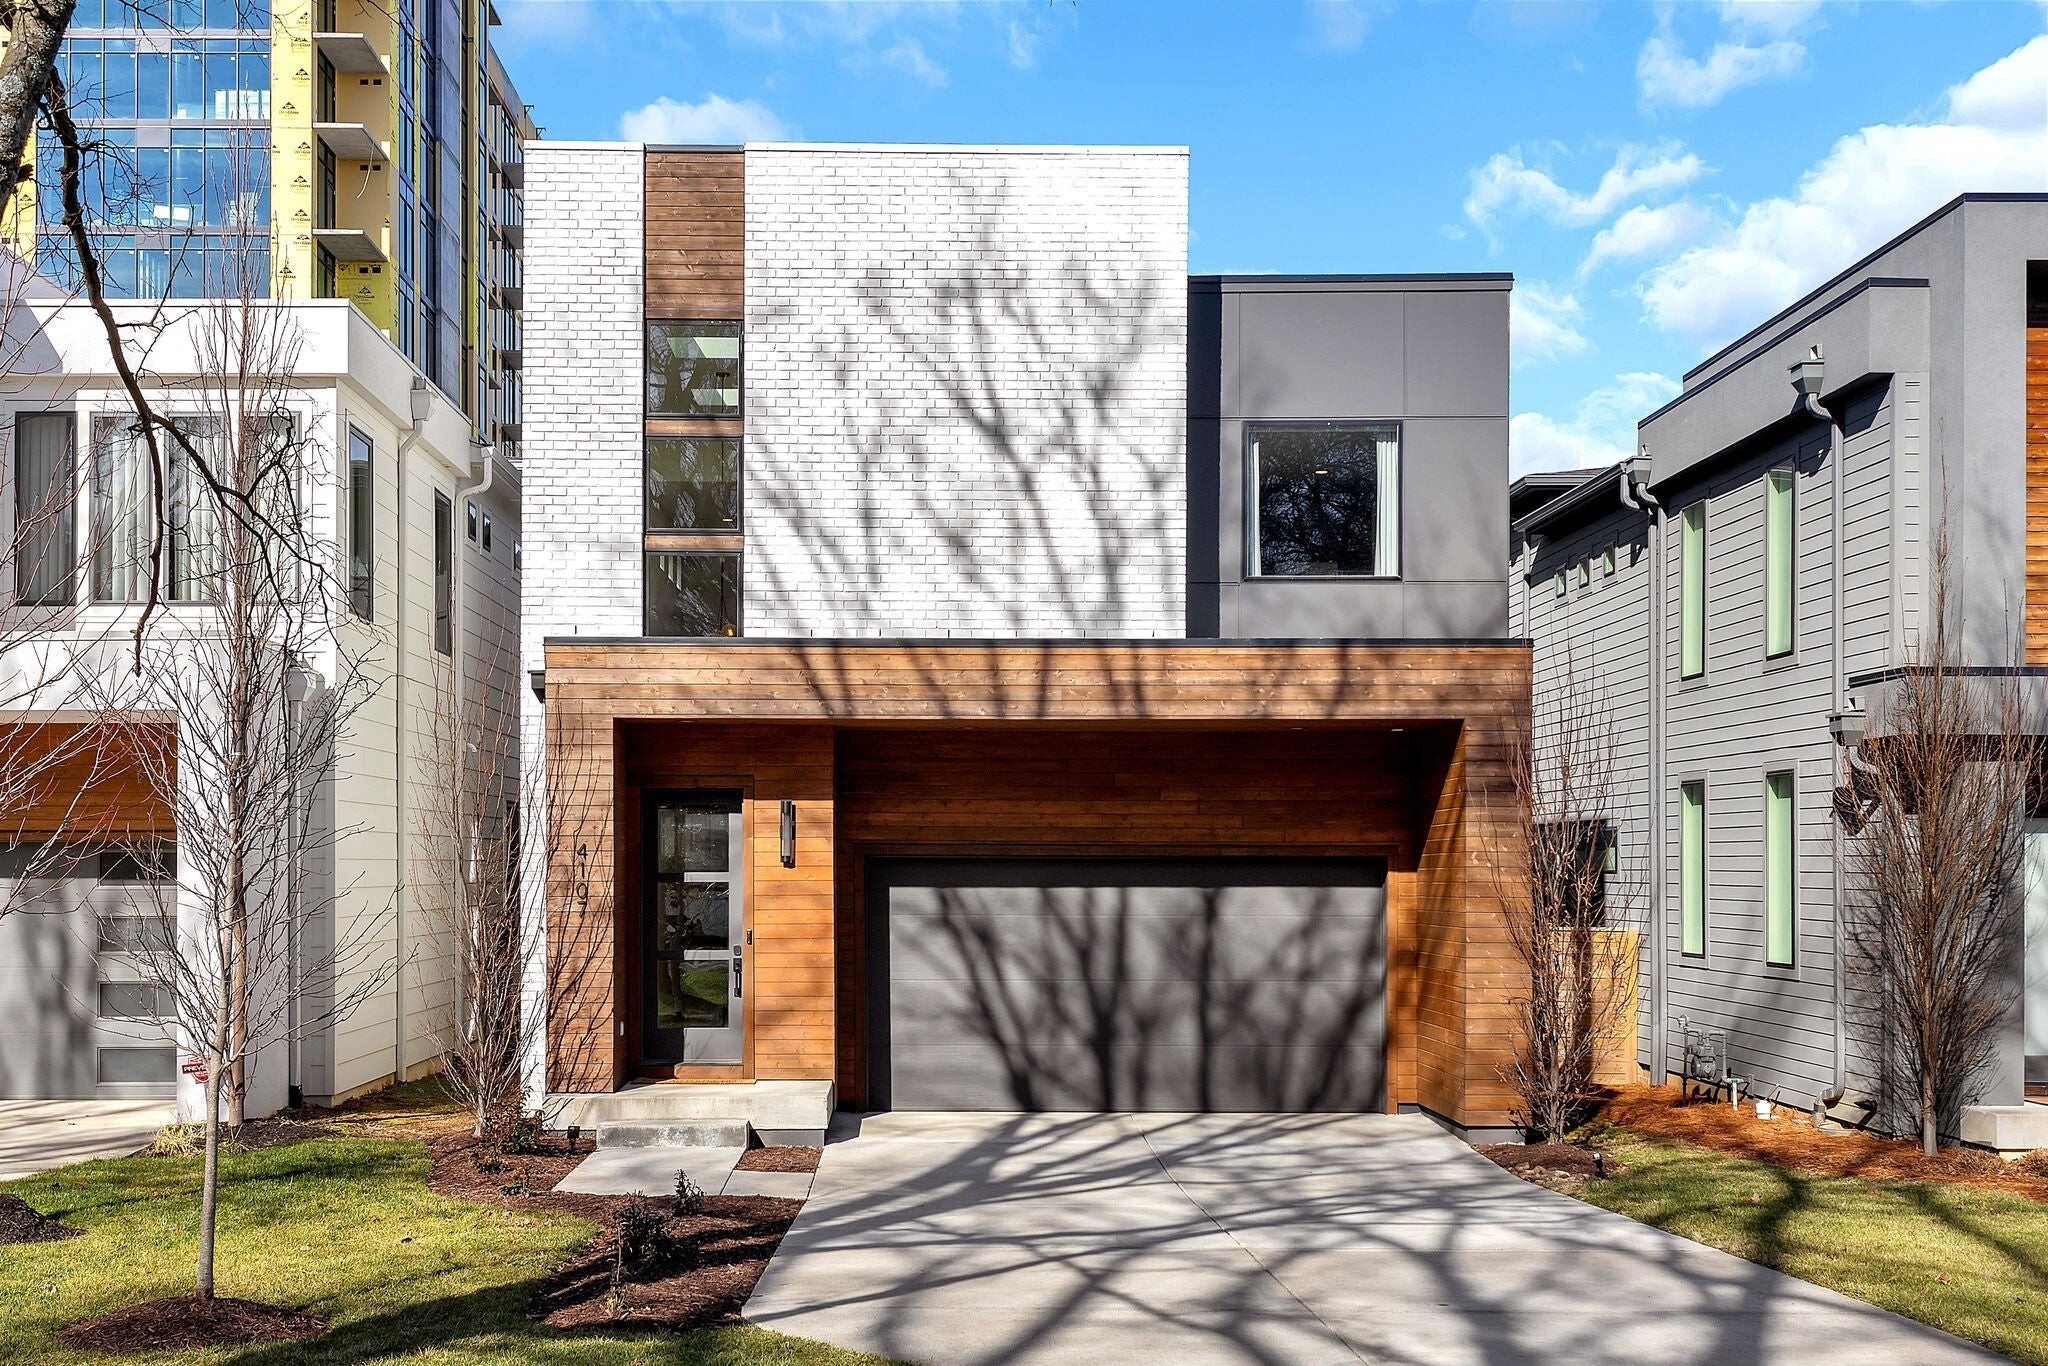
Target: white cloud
<point>713,119</point>
<point>1599,431</point>
<point>1871,185</point>
<point>1646,231</point>
<point>908,57</point>
<point>1507,185</point>
<point>1543,324</point>
<point>1666,75</point>
<point>1340,25</point>
<point>1024,44</point>
<point>1768,16</point>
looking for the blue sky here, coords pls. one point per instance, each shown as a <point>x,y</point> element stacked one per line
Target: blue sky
<point>1658,177</point>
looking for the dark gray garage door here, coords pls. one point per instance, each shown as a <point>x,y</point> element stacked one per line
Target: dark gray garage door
<point>1127,984</point>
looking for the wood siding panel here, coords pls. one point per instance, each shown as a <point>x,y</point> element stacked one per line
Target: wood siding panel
<point>1081,748</point>
<point>696,234</point>
<point>84,784</point>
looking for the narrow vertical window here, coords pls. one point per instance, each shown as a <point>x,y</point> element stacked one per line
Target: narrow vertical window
<point>1781,877</point>
<point>444,574</point>
<point>1692,591</point>
<point>45,532</point>
<point>1692,868</point>
<point>362,525</point>
<point>120,512</point>
<point>194,539</point>
<point>1778,565</point>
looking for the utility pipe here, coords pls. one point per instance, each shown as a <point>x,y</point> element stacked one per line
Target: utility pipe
<point>422,407</point>
<point>1635,493</point>
<point>1838,700</point>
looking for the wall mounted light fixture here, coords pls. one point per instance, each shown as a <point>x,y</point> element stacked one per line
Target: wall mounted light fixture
<point>788,833</point>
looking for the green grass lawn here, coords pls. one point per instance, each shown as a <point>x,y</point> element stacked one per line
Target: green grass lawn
<point>344,1227</point>
<point>1891,1243</point>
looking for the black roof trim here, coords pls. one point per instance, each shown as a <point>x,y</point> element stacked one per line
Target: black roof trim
<point>1979,197</point>
<point>1599,481</point>
<point>1243,281</point>
<point>1805,320</point>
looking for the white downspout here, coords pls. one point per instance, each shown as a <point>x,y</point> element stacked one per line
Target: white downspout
<point>422,407</point>
<point>1635,493</point>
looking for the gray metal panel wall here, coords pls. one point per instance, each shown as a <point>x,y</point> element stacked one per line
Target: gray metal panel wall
<point>1429,354</point>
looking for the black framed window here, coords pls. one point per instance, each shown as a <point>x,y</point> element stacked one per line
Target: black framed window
<point>693,369</point>
<point>1323,499</point>
<point>692,593</point>
<point>693,483</point>
<point>362,525</point>
<point>45,529</point>
<point>444,574</point>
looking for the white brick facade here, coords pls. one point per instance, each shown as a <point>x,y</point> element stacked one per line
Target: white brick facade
<point>584,236</point>
<point>965,391</point>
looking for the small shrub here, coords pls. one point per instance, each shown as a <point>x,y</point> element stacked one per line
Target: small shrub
<point>689,1199</point>
<point>642,1242</point>
<point>189,1140</point>
<point>514,1130</point>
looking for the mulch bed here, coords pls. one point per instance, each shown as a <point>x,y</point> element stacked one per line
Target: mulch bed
<point>187,1321</point>
<point>21,1224</point>
<point>793,1159</point>
<point>1559,1166</point>
<point>722,1251</point>
<point>1791,1141</point>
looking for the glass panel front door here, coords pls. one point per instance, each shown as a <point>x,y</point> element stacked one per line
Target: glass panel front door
<point>694,935</point>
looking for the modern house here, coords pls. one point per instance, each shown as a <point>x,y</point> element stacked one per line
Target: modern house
<point>365,151</point>
<point>977,666</point>
<point>422,523</point>
<point>1743,593</point>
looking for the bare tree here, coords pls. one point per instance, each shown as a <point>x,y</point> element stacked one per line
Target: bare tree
<point>263,691</point>
<point>1938,800</point>
<point>465,880</point>
<point>1567,914</point>
<point>28,70</point>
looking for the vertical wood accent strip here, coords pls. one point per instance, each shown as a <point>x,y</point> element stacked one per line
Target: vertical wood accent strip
<point>696,234</point>
<point>2037,496</point>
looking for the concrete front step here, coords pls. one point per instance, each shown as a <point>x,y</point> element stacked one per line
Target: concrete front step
<point>779,1112</point>
<point>2008,1130</point>
<point>698,1133</point>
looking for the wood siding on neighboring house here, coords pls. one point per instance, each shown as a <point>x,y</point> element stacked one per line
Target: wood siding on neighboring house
<point>81,786</point>
<point>1074,747</point>
<point>696,234</point>
<point>2037,496</point>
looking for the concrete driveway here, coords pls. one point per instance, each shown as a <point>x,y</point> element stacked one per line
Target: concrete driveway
<point>1120,1239</point>
<point>36,1135</point>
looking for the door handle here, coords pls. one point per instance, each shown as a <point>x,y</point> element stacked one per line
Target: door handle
<point>738,975</point>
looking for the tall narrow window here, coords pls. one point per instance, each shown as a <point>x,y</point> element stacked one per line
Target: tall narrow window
<point>444,574</point>
<point>1692,868</point>
<point>45,532</point>
<point>194,528</point>
<point>1778,563</point>
<point>1781,876</point>
<point>120,511</point>
<point>1692,591</point>
<point>362,525</point>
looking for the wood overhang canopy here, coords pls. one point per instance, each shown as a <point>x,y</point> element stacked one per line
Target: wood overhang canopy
<point>893,682</point>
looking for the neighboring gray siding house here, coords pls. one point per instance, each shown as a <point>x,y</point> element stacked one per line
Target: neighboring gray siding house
<point>1805,542</point>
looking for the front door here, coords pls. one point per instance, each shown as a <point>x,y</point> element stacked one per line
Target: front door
<point>693,931</point>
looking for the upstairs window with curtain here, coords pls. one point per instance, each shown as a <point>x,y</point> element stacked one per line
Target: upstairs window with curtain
<point>362,525</point>
<point>693,369</point>
<point>122,512</point>
<point>1779,565</point>
<point>1323,500</point>
<point>193,542</point>
<point>45,539</point>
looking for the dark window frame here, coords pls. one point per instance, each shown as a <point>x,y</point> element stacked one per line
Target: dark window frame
<point>733,414</point>
<point>1248,495</point>
<point>362,525</point>
<point>739,479</point>
<point>444,574</point>
<point>647,556</point>
<point>55,583</point>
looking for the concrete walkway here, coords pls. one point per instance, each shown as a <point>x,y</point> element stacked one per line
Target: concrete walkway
<point>653,1171</point>
<point>36,1135</point>
<point>1107,1239</point>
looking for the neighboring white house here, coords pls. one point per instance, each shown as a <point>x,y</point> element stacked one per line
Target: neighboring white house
<point>423,523</point>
